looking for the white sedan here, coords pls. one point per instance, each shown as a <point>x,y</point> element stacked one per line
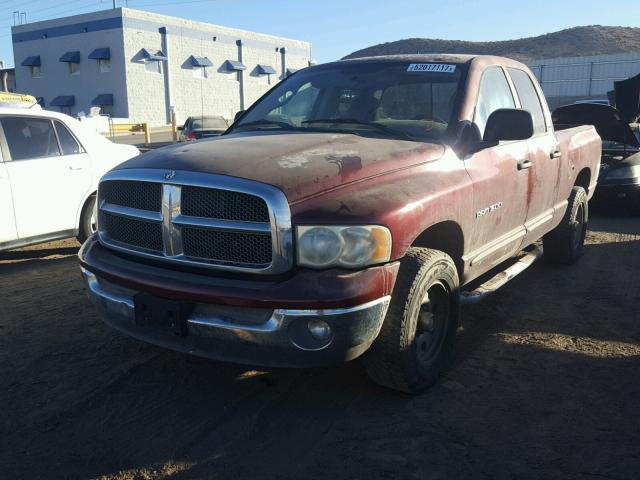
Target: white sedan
<point>50,165</point>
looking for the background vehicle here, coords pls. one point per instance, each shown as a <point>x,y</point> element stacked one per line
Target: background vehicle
<point>199,127</point>
<point>49,172</point>
<point>341,215</point>
<point>619,178</point>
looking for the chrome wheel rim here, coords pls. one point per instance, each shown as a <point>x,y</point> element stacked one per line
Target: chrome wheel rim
<point>93,223</point>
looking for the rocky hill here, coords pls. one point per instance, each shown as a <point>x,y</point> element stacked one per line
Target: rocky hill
<point>577,41</point>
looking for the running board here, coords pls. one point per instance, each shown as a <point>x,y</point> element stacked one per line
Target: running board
<point>502,278</point>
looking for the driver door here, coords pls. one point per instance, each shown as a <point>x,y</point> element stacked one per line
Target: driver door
<point>499,184</point>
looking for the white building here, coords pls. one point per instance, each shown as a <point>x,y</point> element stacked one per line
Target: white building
<point>565,80</point>
<point>138,65</point>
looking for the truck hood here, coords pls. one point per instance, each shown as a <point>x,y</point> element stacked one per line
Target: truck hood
<point>610,124</point>
<point>300,164</point>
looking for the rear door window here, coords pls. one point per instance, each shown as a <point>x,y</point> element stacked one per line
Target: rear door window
<point>68,142</point>
<point>30,137</point>
<point>494,94</point>
<point>529,98</point>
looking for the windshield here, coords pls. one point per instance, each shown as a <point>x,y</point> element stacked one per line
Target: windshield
<point>402,100</point>
<point>213,123</point>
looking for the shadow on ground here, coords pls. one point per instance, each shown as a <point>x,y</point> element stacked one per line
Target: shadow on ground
<point>544,386</point>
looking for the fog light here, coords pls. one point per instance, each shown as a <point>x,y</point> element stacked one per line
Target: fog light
<point>319,329</point>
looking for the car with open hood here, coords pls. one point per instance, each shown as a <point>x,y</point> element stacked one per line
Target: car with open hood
<point>346,214</point>
<point>619,178</point>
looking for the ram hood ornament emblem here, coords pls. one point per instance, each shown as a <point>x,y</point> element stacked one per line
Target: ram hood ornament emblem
<point>169,174</point>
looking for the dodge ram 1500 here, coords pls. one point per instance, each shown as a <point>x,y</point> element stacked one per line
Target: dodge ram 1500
<point>344,214</point>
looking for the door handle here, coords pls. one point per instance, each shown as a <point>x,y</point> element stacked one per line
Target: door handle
<point>555,154</point>
<point>72,168</point>
<point>524,164</point>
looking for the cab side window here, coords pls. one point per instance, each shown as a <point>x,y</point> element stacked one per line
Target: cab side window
<point>68,143</point>
<point>529,98</point>
<point>494,94</point>
<point>30,137</point>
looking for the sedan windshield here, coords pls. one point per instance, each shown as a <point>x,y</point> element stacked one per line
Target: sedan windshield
<point>384,99</point>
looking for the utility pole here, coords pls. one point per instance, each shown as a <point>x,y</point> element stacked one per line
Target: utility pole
<point>114,3</point>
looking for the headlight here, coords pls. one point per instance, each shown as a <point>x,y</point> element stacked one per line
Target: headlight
<point>352,246</point>
<point>624,172</point>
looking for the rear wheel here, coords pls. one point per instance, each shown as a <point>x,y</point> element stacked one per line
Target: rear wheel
<point>565,244</point>
<point>88,220</point>
<point>415,343</point>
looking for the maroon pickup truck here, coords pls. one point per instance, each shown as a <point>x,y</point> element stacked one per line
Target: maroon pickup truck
<point>348,212</point>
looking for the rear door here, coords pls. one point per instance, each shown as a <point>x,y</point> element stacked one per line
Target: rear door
<point>544,172</point>
<point>499,185</point>
<point>50,175</point>
<point>7,220</point>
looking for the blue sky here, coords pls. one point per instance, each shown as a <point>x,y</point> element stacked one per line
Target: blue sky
<point>336,28</point>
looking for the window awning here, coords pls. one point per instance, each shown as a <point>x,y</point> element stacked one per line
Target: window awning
<point>153,57</point>
<point>71,57</point>
<point>63,101</point>
<point>200,62</point>
<point>100,54</point>
<point>103,99</point>
<point>291,71</point>
<point>235,65</point>
<point>266,70</point>
<point>31,61</point>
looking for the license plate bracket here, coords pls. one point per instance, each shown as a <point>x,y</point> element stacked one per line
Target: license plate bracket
<point>161,313</point>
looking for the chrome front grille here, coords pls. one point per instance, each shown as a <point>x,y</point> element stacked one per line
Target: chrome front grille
<point>197,219</point>
<point>140,195</point>
<point>140,234</point>
<point>224,205</point>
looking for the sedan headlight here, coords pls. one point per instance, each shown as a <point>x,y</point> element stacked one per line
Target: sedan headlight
<point>343,246</point>
<point>632,171</point>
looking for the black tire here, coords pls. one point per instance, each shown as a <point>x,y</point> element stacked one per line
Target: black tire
<point>565,243</point>
<point>415,344</point>
<point>87,220</point>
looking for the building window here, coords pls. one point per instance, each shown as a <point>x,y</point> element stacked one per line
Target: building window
<point>104,65</point>
<point>36,71</point>
<point>153,66</point>
<point>74,68</point>
<point>200,72</point>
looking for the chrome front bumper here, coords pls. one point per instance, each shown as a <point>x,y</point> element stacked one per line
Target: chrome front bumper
<point>269,337</point>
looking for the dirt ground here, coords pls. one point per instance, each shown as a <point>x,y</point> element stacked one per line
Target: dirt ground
<point>546,385</point>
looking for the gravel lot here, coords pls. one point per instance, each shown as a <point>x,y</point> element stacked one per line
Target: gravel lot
<point>546,385</point>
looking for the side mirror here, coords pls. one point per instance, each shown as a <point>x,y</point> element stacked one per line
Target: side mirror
<point>180,128</point>
<point>508,124</point>
<point>238,115</point>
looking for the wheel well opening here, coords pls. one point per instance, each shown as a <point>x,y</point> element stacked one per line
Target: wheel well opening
<point>584,179</point>
<point>447,237</point>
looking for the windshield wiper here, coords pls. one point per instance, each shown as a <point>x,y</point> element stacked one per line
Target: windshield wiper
<point>377,126</point>
<point>260,123</point>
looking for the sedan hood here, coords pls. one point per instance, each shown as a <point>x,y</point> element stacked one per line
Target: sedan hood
<point>300,164</point>
<point>610,124</point>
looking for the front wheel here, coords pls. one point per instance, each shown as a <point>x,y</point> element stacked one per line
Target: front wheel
<point>565,243</point>
<point>415,343</point>
<point>88,222</point>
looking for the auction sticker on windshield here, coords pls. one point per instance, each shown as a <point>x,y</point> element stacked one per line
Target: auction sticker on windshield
<point>432,67</point>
